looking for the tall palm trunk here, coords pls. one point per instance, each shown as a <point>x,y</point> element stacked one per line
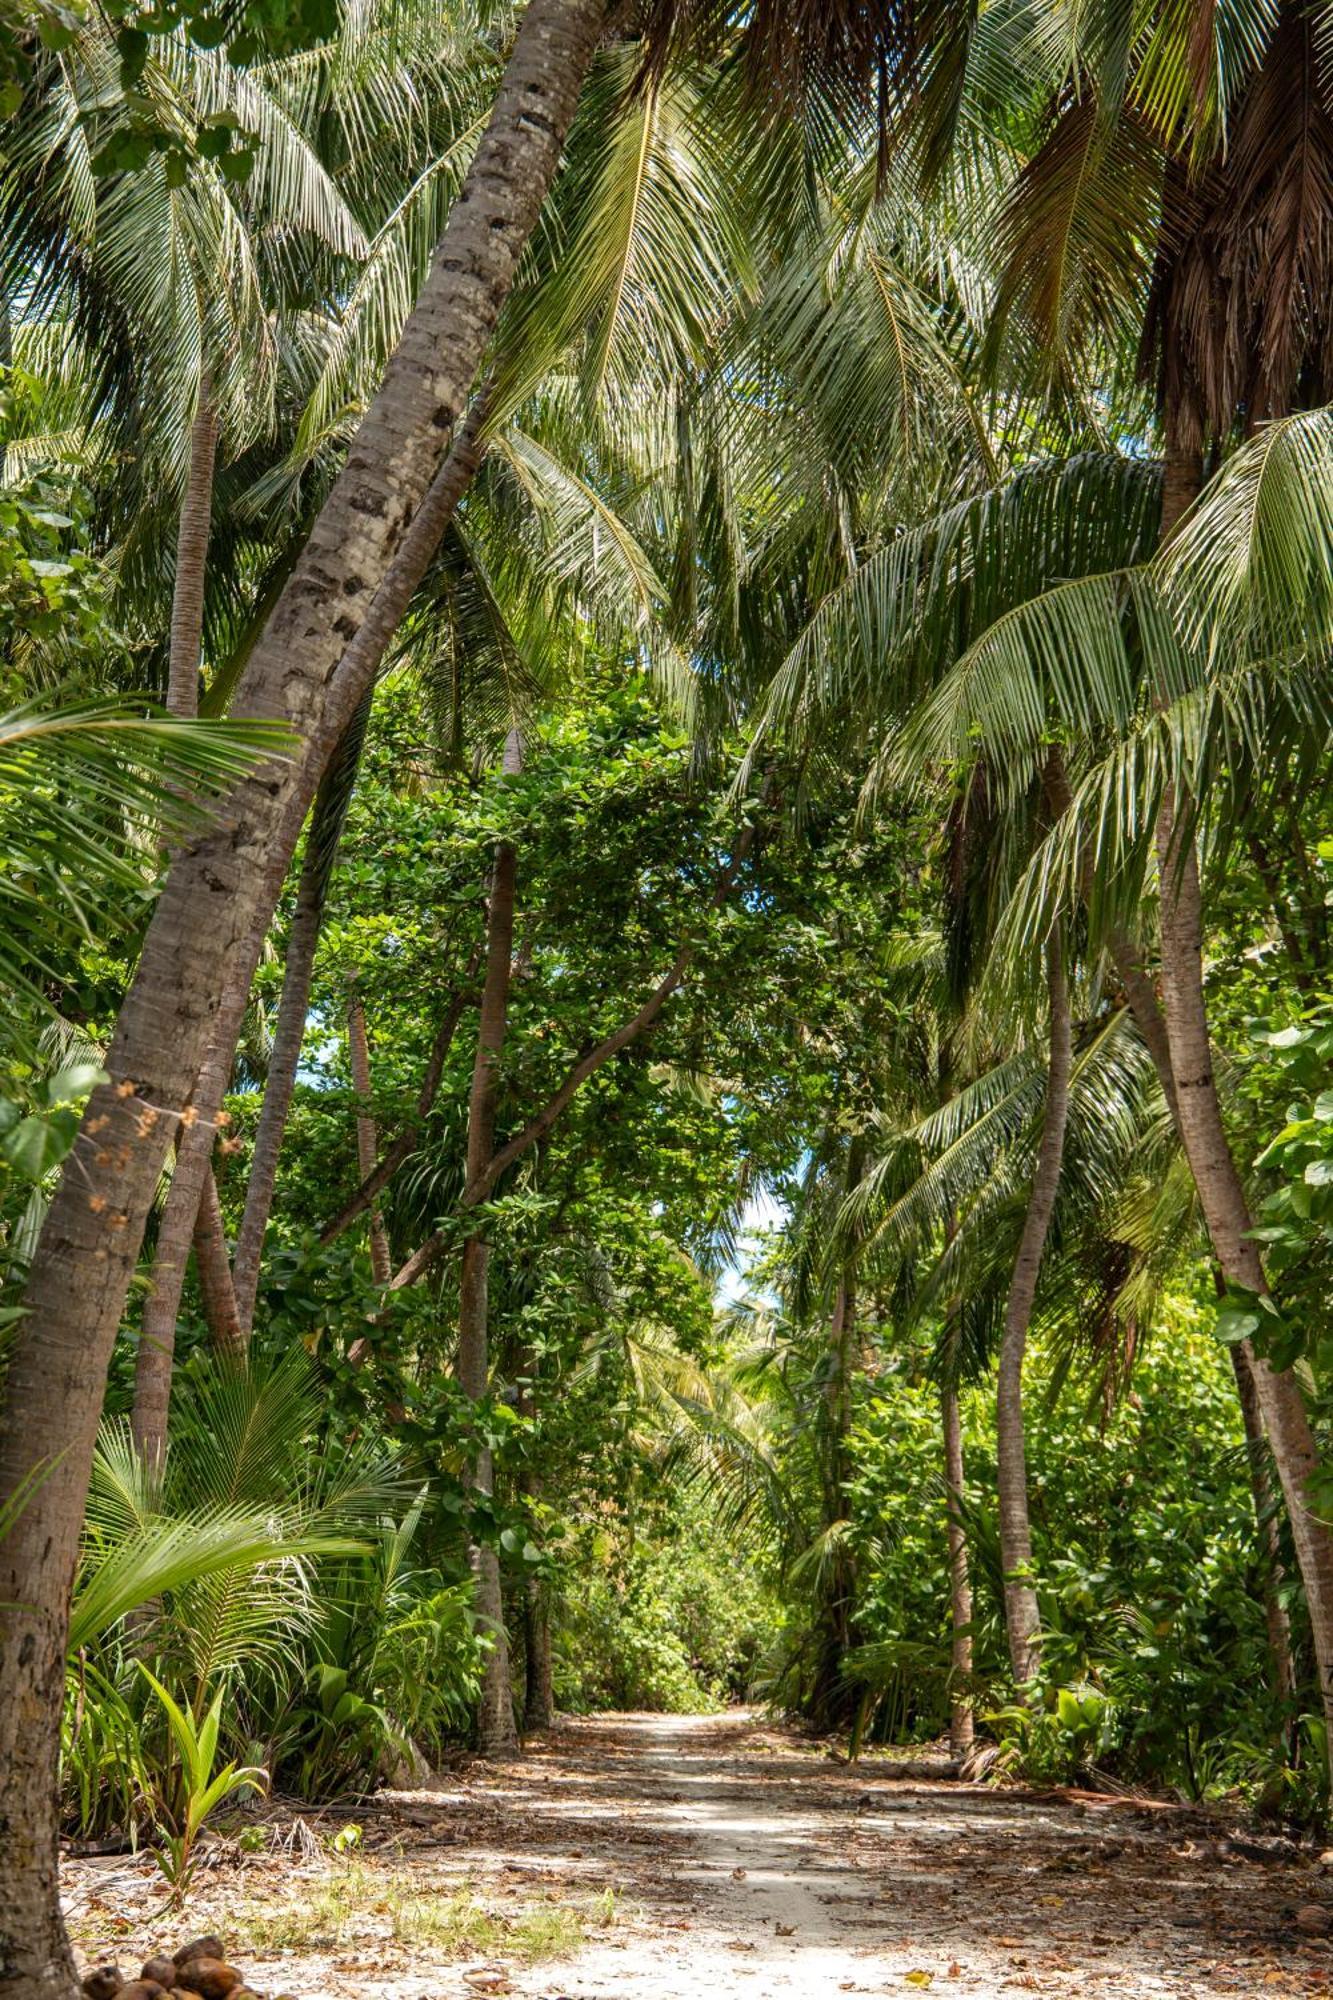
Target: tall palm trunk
<point>1022,1617</point>
<point>961,1727</point>
<point>367,1138</point>
<point>495,1718</point>
<point>206,916</point>
<point>192,532</point>
<point>1226,1211</point>
<point>1221,1192</point>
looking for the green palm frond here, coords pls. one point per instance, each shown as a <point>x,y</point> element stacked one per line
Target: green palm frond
<point>88,791</point>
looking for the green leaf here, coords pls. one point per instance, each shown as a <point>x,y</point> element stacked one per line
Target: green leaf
<point>38,1143</point>
<point>71,1085</point>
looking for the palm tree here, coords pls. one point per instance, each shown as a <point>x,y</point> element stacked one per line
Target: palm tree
<point>1142,759</point>
<point>206,918</point>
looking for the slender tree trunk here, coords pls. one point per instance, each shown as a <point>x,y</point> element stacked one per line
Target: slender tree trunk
<point>1221,1192</point>
<point>213,1268</point>
<point>191,1219</point>
<point>1226,1212</point>
<point>321,852</point>
<point>1151,1024</point>
<point>496,1735</point>
<point>1277,1623</point>
<point>367,1139</point>
<point>192,1214</point>
<point>196,518</point>
<point>538,1693</point>
<point>402,1145</point>
<point>6,362</point>
<point>832,1699</point>
<point>961,1727</point>
<point>479,1189</point>
<point>307,671</point>
<point>1022,1617</point>
<point>279,1084</point>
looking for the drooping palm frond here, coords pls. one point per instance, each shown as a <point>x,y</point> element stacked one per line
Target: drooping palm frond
<point>88,790</point>
<point>883,639</point>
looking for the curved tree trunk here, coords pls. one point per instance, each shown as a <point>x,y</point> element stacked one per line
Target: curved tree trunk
<point>1022,1618</point>
<point>306,670</point>
<point>1226,1212</point>
<point>367,1139</point>
<point>1212,1163</point>
<point>961,1726</point>
<point>496,1735</point>
<point>1151,1024</point>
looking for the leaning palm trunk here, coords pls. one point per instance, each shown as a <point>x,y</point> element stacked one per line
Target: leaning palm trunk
<point>1022,1618</point>
<point>496,1734</point>
<point>1213,1166</point>
<point>205,918</point>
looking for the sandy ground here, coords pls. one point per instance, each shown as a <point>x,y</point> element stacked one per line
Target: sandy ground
<point>684,1856</point>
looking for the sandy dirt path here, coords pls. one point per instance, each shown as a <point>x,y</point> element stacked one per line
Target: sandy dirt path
<point>717,1857</point>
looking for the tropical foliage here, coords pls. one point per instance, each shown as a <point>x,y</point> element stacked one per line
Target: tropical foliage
<point>753,1113</point>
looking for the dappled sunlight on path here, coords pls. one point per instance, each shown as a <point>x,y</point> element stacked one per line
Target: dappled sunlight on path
<point>668,1857</point>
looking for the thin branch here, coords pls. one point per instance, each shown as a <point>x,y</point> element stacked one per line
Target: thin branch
<point>483,1184</point>
<point>400,1147</point>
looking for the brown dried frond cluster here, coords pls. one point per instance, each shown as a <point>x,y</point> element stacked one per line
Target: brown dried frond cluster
<point>1240,327</point>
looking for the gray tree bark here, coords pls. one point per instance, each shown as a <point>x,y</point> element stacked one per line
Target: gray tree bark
<point>1151,1024</point>
<point>204,919</point>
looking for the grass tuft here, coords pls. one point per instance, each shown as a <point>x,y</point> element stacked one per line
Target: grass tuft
<point>361,1903</point>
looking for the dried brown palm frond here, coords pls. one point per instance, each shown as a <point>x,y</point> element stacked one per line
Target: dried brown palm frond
<point>1240,321</point>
